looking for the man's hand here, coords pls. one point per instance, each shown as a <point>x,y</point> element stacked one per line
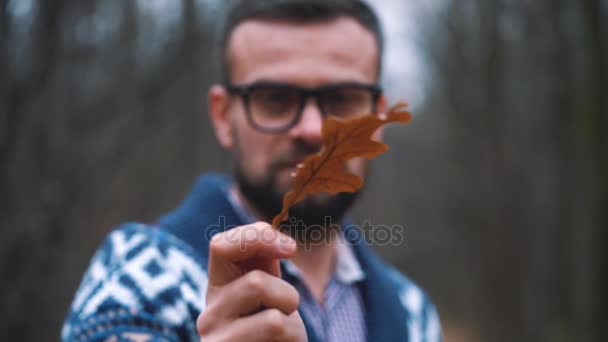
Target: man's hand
<point>246,297</point>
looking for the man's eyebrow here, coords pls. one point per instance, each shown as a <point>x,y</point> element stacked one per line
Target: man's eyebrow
<point>273,82</point>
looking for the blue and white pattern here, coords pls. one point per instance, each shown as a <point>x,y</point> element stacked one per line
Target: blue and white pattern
<point>146,284</point>
<point>423,321</point>
<point>141,280</point>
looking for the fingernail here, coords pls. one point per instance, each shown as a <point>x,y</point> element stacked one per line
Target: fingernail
<point>287,245</point>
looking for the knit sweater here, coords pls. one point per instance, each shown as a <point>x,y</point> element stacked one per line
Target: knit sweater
<point>151,280</point>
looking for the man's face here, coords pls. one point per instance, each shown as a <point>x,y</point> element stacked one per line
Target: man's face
<point>306,55</point>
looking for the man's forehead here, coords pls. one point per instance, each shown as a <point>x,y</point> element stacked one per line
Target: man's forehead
<point>342,41</point>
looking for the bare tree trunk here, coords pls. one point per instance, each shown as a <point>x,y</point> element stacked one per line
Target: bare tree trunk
<point>590,252</point>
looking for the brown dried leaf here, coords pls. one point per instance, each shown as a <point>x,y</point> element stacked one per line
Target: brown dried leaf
<point>342,140</point>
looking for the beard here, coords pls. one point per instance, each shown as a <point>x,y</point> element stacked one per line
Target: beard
<point>315,214</point>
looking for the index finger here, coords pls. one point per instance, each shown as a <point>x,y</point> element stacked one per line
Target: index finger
<point>234,252</point>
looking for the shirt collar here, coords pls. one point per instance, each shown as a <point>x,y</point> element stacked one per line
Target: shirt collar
<point>244,215</point>
<point>348,269</point>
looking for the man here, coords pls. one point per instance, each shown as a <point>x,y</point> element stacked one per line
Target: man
<point>213,269</point>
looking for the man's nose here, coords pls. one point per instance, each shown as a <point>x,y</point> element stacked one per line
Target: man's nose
<point>310,124</point>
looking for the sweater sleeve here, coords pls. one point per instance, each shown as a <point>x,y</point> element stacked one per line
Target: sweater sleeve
<point>142,285</point>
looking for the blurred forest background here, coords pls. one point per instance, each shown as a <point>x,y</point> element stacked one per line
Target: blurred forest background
<point>501,179</point>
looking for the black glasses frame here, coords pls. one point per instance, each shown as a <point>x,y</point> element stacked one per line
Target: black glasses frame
<point>244,92</point>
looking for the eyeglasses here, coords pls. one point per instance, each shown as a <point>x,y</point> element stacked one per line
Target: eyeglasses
<point>274,107</point>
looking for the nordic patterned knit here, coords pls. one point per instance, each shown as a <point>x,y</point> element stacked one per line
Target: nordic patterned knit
<point>148,282</point>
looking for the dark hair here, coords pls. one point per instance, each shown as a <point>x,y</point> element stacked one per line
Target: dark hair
<point>298,11</point>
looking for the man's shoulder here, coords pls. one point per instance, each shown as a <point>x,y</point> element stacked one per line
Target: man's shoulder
<point>394,291</point>
<point>130,240</point>
<point>411,295</point>
<point>146,252</point>
<point>142,272</point>
<point>422,314</point>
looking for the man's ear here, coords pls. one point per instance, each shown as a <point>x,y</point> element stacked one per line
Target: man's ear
<point>382,108</point>
<point>219,114</point>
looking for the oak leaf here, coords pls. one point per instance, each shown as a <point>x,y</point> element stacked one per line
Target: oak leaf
<point>325,171</point>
